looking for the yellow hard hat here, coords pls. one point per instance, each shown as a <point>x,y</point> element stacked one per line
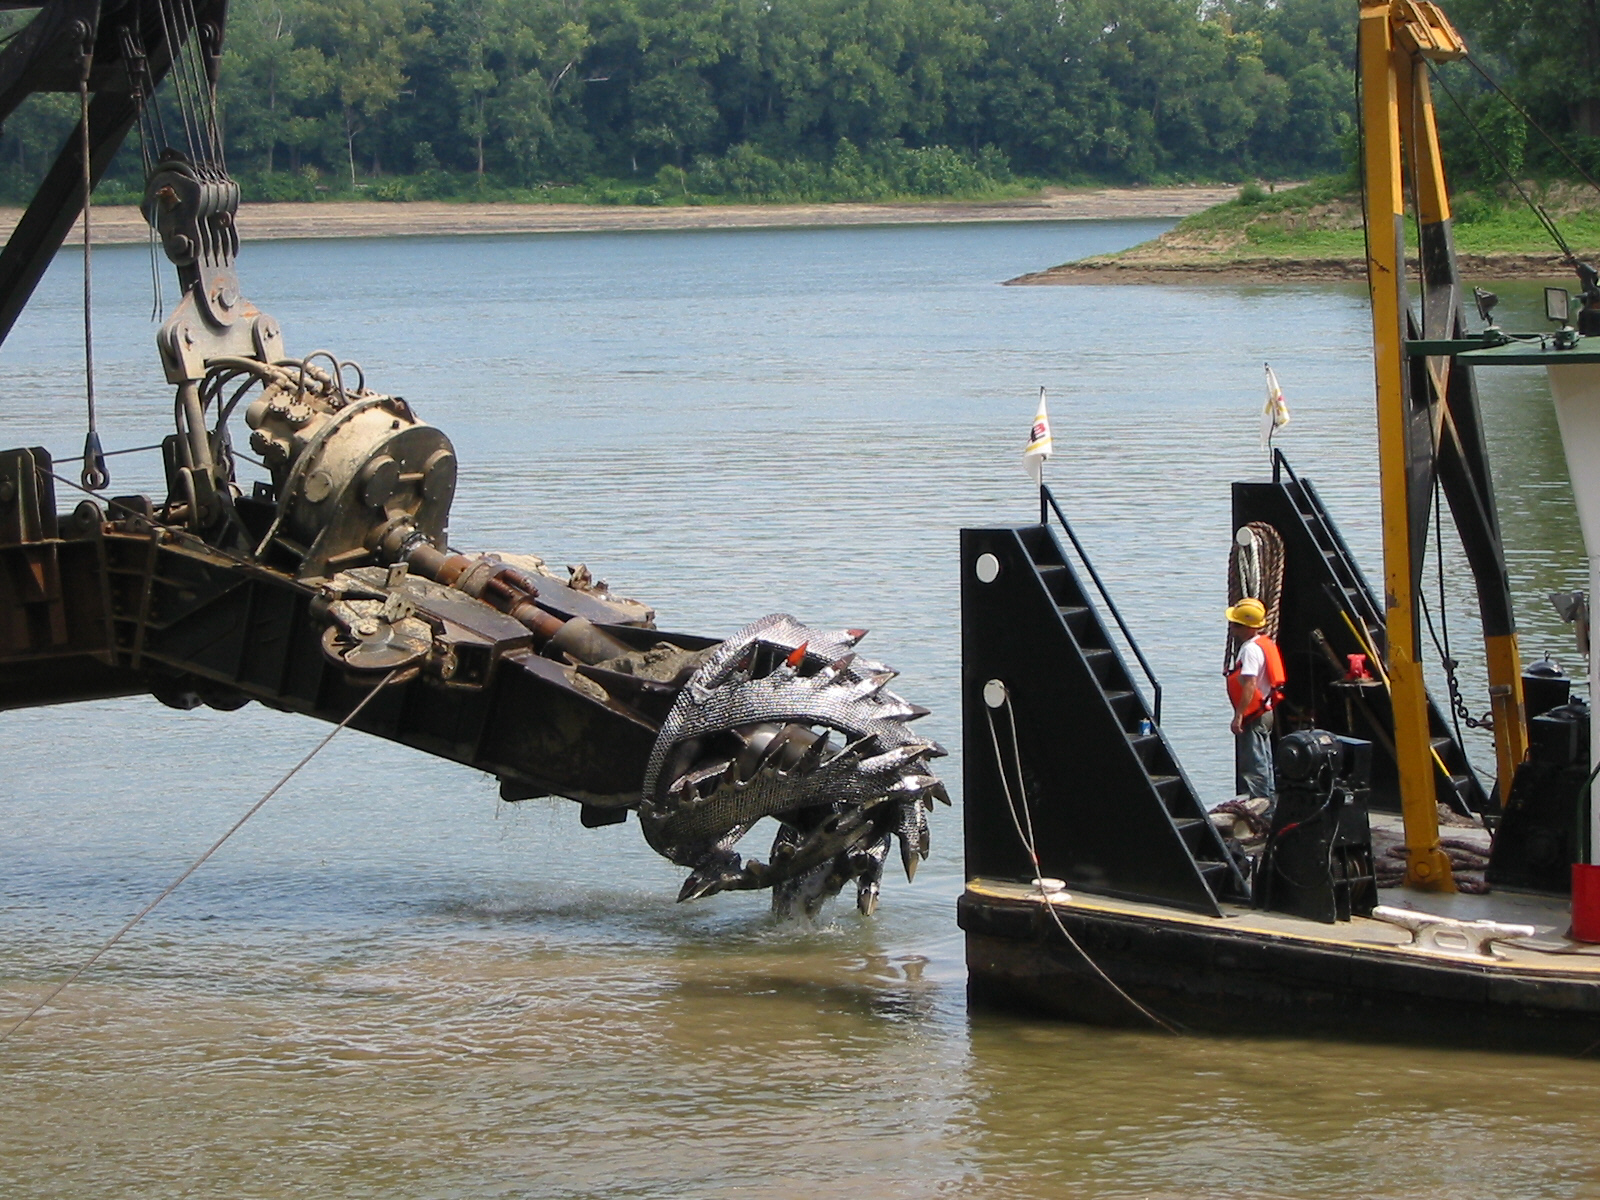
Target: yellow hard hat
<point>1249,612</point>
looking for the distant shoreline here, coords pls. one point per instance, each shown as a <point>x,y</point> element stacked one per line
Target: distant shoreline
<point>123,224</point>
<point>1154,268</point>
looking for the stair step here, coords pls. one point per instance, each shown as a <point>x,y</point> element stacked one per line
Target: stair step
<point>1171,787</point>
<point>1103,663</point>
<point>1152,751</point>
<point>1080,619</point>
<point>1199,838</point>
<point>1176,798</point>
<point>1127,707</point>
<point>1057,581</point>
<point>1212,871</point>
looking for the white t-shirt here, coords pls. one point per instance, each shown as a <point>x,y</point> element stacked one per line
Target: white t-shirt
<point>1253,661</point>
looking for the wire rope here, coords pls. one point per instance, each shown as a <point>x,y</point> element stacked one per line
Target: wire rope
<point>95,474</point>
<point>174,42</point>
<point>195,866</point>
<point>114,453</point>
<point>1029,845</point>
<point>1538,210</point>
<point>1528,117</point>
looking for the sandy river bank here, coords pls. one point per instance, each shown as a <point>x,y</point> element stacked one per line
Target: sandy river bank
<point>122,224</point>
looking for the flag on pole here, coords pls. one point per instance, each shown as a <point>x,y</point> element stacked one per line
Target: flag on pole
<point>1040,443</point>
<point>1275,413</point>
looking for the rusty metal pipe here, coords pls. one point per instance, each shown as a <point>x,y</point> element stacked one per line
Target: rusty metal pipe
<point>194,420</point>
<point>505,588</point>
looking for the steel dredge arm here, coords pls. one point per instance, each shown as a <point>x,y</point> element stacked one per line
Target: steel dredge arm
<point>337,570</point>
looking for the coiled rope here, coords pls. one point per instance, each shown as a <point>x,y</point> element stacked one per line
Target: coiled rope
<point>1255,569</point>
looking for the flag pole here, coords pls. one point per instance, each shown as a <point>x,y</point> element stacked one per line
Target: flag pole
<point>1274,414</point>
<point>1040,443</point>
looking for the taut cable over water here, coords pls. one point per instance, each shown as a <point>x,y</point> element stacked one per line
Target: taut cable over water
<point>197,863</point>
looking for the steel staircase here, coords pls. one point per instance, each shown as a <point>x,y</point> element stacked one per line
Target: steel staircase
<point>1136,721</point>
<point>1113,810</point>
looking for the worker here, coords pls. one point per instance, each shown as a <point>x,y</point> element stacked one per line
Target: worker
<point>1255,685</point>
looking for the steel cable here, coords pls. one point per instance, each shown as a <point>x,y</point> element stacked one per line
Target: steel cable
<point>1028,844</point>
<point>1538,211</point>
<point>94,474</point>
<point>195,866</point>
<point>1265,577</point>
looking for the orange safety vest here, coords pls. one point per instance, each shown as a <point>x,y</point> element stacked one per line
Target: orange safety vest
<point>1276,677</point>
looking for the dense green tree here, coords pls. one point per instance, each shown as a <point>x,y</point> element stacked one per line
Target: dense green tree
<point>367,44</point>
<point>770,97</point>
<point>1552,50</point>
<point>278,85</point>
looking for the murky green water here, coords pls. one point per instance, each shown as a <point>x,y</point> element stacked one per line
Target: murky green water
<point>392,985</point>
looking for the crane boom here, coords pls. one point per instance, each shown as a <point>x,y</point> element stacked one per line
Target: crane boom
<point>1429,431</point>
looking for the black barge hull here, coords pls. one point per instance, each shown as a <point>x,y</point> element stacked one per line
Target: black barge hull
<point>1255,974</point>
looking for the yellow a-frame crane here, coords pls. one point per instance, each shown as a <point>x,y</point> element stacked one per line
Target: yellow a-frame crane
<point>1428,426</point>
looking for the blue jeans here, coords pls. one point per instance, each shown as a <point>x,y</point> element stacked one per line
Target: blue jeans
<point>1252,759</point>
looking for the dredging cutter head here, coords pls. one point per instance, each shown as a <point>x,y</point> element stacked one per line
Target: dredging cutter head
<point>751,735</point>
<point>778,721</point>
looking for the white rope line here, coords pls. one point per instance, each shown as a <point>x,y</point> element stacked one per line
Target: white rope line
<point>1033,857</point>
<point>195,866</point>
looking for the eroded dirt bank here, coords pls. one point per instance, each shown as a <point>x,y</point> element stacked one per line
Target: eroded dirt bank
<point>122,224</point>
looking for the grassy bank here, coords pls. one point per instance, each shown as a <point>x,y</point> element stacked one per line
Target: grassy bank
<point>879,173</point>
<point>1314,230</point>
<point>283,188</point>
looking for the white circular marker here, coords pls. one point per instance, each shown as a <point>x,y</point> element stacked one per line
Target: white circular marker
<point>1050,885</point>
<point>994,693</point>
<point>988,568</point>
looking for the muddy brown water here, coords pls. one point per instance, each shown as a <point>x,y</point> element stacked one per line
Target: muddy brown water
<point>390,984</point>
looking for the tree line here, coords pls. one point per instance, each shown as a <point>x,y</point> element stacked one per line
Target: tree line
<point>797,98</point>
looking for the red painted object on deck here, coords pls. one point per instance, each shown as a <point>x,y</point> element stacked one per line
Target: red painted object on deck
<point>1585,902</point>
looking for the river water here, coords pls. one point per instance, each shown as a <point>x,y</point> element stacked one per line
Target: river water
<point>390,984</point>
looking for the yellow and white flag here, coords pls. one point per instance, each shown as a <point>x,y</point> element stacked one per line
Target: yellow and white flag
<point>1040,443</point>
<point>1275,413</point>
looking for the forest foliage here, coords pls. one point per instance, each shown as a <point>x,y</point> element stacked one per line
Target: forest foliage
<point>658,101</point>
<point>760,98</point>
